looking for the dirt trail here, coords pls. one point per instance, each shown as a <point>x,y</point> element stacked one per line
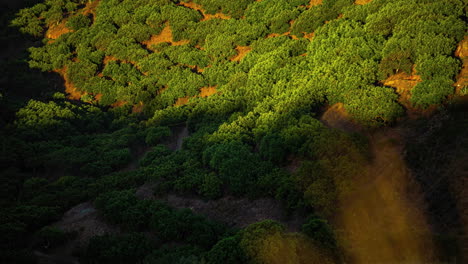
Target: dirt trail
<point>208,91</point>
<point>404,84</point>
<point>90,8</point>
<point>86,221</point>
<point>200,9</point>
<point>362,2</point>
<point>70,88</point>
<point>314,3</point>
<point>55,31</point>
<point>242,51</point>
<point>383,221</point>
<point>164,37</point>
<point>238,212</point>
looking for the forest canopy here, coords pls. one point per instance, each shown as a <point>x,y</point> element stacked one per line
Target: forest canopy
<point>247,83</point>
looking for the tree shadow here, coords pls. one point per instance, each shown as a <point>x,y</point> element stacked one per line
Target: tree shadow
<point>436,154</point>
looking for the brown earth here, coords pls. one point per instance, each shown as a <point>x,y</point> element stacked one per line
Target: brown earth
<point>462,78</point>
<point>362,2</point>
<point>57,30</point>
<point>108,59</point>
<point>118,104</point>
<point>274,35</point>
<point>403,84</point>
<point>200,9</point>
<point>309,36</point>
<point>182,101</point>
<point>70,89</point>
<point>86,221</point>
<point>207,91</point>
<point>138,108</point>
<point>90,8</point>
<point>195,67</point>
<point>314,3</point>
<point>242,51</point>
<point>237,212</point>
<point>204,92</point>
<point>164,37</point>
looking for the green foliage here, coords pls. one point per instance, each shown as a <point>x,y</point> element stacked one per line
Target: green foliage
<point>237,166</point>
<point>179,255</point>
<point>253,236</point>
<point>155,134</point>
<point>211,186</point>
<point>51,237</point>
<point>227,251</point>
<point>132,247</point>
<point>262,121</point>
<point>320,231</point>
<point>78,22</point>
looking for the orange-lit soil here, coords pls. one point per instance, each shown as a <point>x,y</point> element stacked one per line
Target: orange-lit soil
<point>362,2</point>
<point>195,67</point>
<point>309,36</point>
<point>70,89</point>
<point>204,92</point>
<point>337,117</point>
<point>462,53</point>
<point>315,3</point>
<point>274,35</point>
<point>241,52</point>
<point>182,101</point>
<point>207,91</point>
<point>164,36</point>
<point>403,84</point>
<point>206,16</point>
<point>55,31</point>
<point>138,107</point>
<point>90,7</point>
<point>118,104</point>
<point>160,91</point>
<point>107,59</point>
<point>382,221</point>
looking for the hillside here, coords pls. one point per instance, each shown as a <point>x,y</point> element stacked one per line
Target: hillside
<point>213,131</point>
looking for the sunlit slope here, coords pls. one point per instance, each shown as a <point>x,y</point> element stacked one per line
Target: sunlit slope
<point>158,44</point>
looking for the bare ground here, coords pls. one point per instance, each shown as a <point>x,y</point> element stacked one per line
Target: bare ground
<point>236,212</point>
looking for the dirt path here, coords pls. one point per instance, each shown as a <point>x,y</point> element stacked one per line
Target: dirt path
<point>242,51</point>
<point>362,2</point>
<point>72,92</point>
<point>165,36</point>
<point>200,9</point>
<point>237,212</point>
